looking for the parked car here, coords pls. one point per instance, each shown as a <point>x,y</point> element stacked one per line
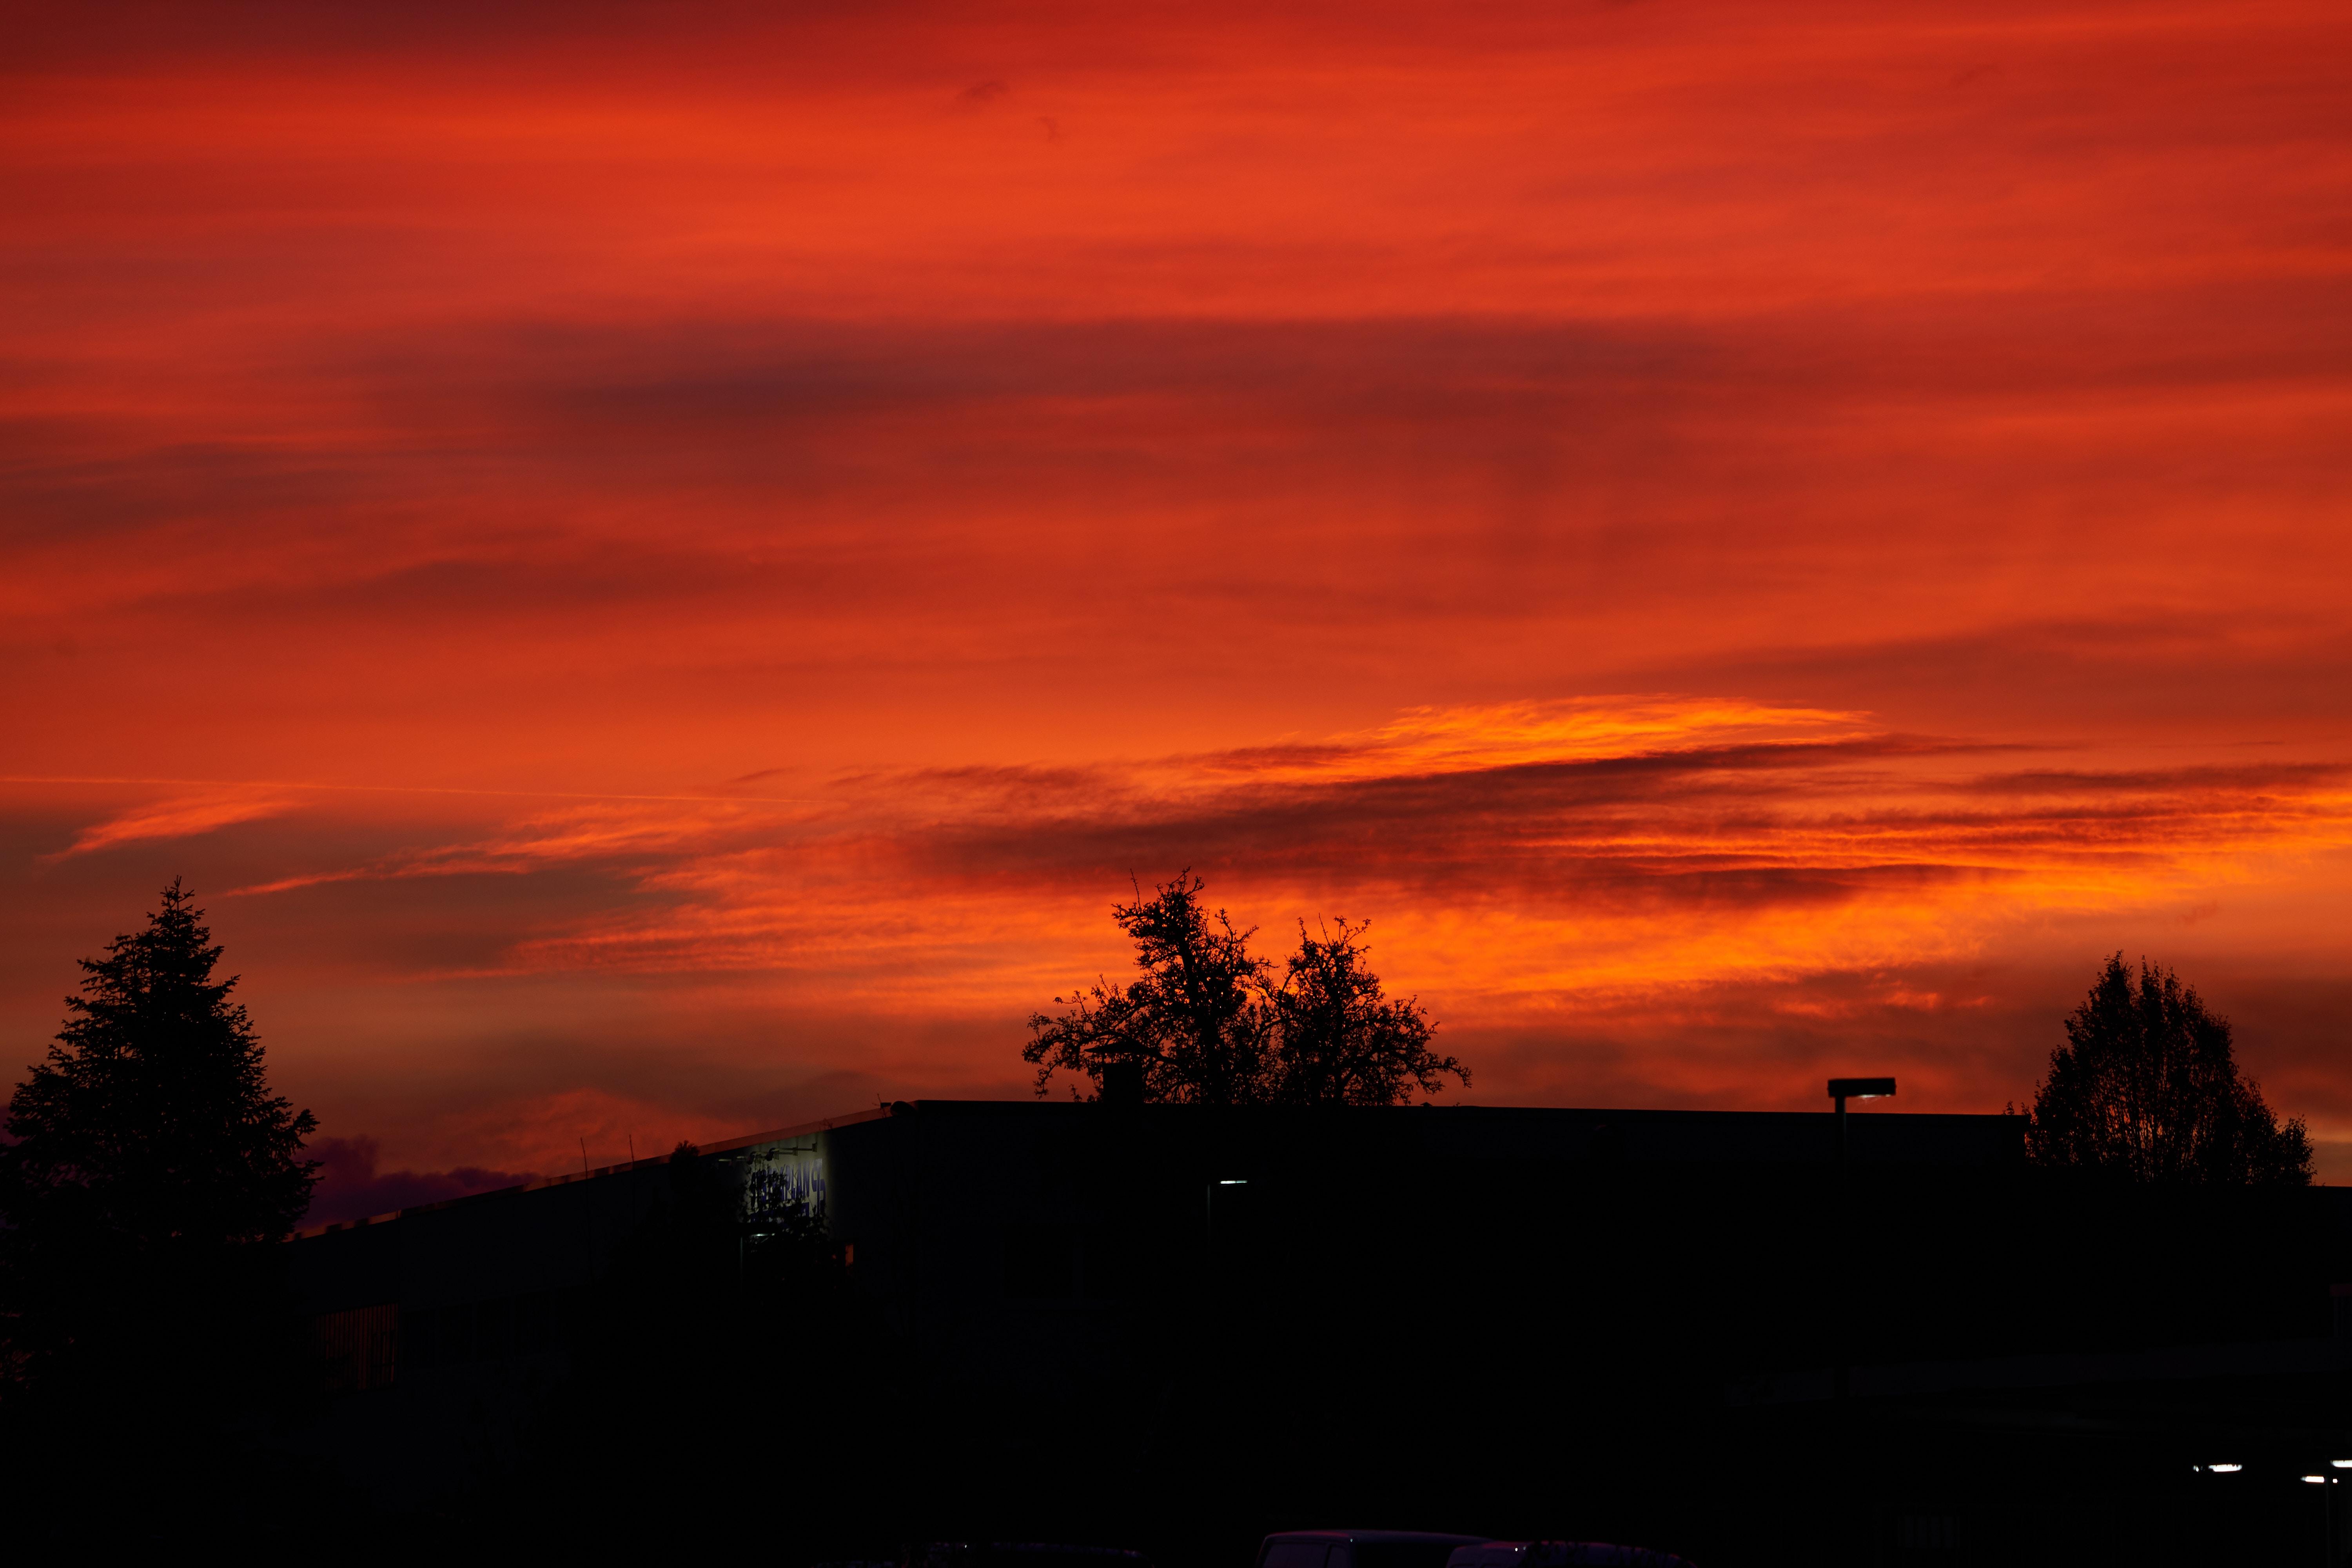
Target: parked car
<point>1360,1549</point>
<point>1560,1554</point>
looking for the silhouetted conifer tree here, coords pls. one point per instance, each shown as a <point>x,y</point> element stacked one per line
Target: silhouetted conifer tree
<point>150,1172</point>
<point>2145,1086</point>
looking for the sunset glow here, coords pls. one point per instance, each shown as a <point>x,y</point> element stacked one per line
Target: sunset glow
<point>658,570</point>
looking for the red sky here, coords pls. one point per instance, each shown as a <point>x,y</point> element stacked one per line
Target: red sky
<point>658,567</point>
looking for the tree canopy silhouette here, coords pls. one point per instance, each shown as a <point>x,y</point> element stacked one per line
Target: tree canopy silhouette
<point>1208,1022</point>
<point>1341,1039</point>
<point>2145,1086</point>
<point>1195,1026</point>
<point>149,1159</point>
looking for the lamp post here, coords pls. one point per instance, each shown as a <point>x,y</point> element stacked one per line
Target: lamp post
<point>1841,1090</point>
<point>1210,1204</point>
<point>2327,1485</point>
<point>1844,1088</point>
<point>2329,1480</point>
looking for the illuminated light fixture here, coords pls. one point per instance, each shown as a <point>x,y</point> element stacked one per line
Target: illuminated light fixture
<point>1246,1184</point>
<point>2316,1480</point>
<point>1844,1088</point>
<point>2341,1463</point>
<point>2225,1469</point>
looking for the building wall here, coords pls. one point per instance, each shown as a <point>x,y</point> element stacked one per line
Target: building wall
<point>1034,1248</point>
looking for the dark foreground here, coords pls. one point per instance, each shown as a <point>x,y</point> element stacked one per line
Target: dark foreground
<point>1741,1363</point>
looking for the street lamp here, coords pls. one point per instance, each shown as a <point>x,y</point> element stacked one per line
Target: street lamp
<point>2330,1486</point>
<point>1209,1203</point>
<point>1844,1088</point>
<point>1841,1090</point>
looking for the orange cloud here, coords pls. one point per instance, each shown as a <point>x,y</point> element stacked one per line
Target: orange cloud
<point>1019,446</point>
<point>179,817</point>
<point>1592,846</point>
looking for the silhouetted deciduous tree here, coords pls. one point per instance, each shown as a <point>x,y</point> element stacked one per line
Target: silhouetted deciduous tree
<point>1210,1023</point>
<point>1195,1027</point>
<point>2145,1086</point>
<point>1340,1038</point>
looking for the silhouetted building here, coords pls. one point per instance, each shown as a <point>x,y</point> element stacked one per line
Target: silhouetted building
<point>976,1226</point>
<point>1526,1298</point>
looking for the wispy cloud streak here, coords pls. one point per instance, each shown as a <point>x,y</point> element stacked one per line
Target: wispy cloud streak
<point>181,818</point>
<point>1636,826</point>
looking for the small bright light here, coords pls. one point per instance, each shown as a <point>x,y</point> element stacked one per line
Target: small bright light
<point>1233,1183</point>
<point>2316,1480</point>
<point>2225,1469</point>
<point>2341,1463</point>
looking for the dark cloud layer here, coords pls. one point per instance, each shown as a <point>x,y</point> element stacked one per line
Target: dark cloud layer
<point>352,1188</point>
